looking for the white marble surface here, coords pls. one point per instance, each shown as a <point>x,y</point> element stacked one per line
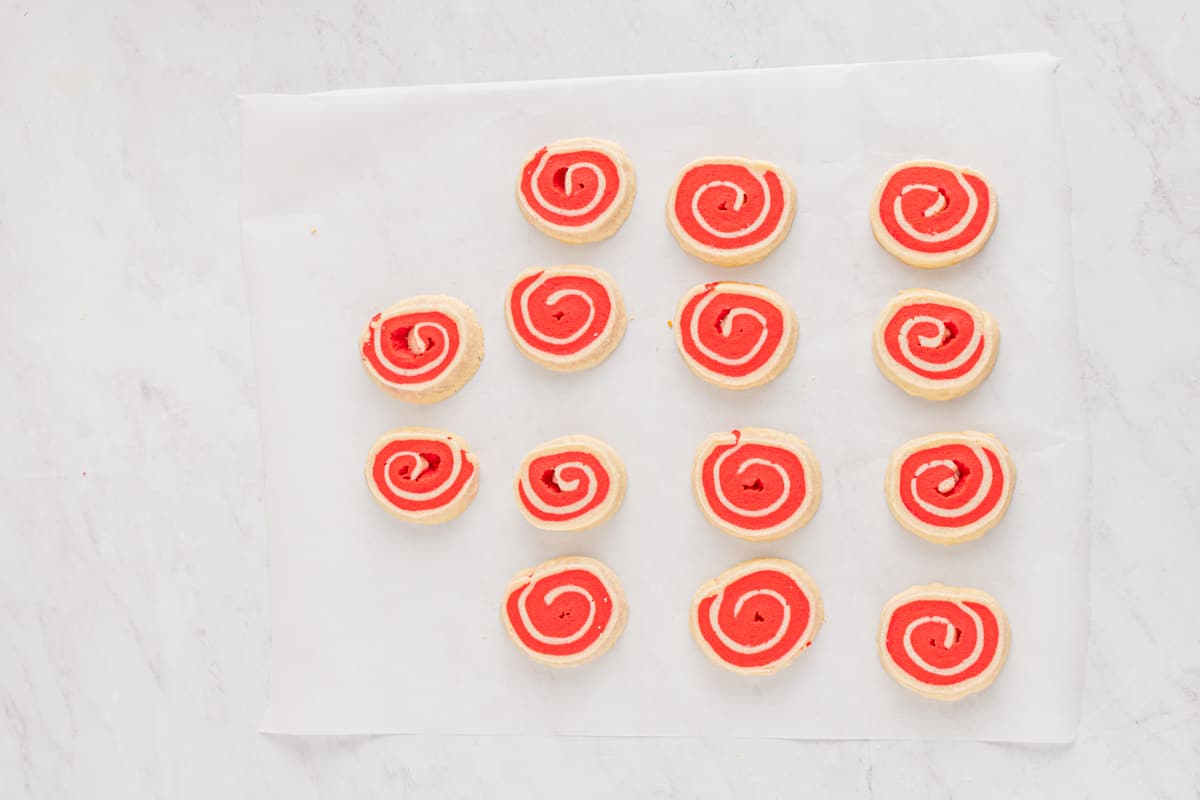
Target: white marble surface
<point>132,548</point>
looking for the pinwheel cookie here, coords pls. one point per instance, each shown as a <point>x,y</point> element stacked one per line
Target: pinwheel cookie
<point>422,475</point>
<point>935,345</point>
<point>932,214</point>
<point>731,211</point>
<point>755,618</point>
<point>565,318</point>
<point>950,487</point>
<point>943,642</point>
<point>756,483</point>
<point>736,335</point>
<point>577,190</point>
<point>570,484</point>
<point>564,612</point>
<point>423,349</point>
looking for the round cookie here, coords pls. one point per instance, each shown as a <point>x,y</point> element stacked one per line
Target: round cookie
<point>755,618</point>
<point>756,483</point>
<point>935,345</point>
<point>577,190</point>
<point>736,335</point>
<point>943,642</point>
<point>565,318</point>
<point>422,474</point>
<point>570,484</point>
<point>931,214</point>
<point>950,487</point>
<point>731,211</point>
<point>422,349</point>
<point>564,612</point>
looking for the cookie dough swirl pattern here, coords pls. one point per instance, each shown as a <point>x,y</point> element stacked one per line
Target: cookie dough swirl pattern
<point>943,642</point>
<point>565,611</point>
<point>935,345</point>
<point>422,349</point>
<point>422,475</point>
<point>950,488</point>
<point>577,190</point>
<point>736,335</point>
<point>756,483</point>
<point>730,211</point>
<point>758,616</point>
<point>932,214</point>
<point>566,318</point>
<point>413,348</point>
<point>572,483</point>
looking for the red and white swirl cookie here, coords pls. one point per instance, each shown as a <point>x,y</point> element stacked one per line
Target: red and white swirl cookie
<point>422,474</point>
<point>565,611</point>
<point>566,318</point>
<point>935,345</point>
<point>423,349</point>
<point>570,484</point>
<point>950,487</point>
<point>756,483</point>
<point>736,335</point>
<point>932,214</point>
<point>577,190</point>
<point>731,211</point>
<point>943,642</point>
<point>755,618</point>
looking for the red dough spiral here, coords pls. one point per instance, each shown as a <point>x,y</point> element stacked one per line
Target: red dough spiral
<point>942,641</point>
<point>730,211</point>
<point>933,214</point>
<point>950,487</point>
<point>565,611</point>
<point>560,314</point>
<point>735,334</point>
<point>412,348</point>
<point>973,473</point>
<point>565,318</point>
<point>571,185</point>
<point>935,345</point>
<point>728,206</point>
<point>756,484</point>
<point>421,474</point>
<point>422,349</point>
<point>571,483</point>
<point>934,341</point>
<point>756,617</point>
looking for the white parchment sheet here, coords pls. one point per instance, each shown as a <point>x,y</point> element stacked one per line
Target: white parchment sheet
<point>354,200</point>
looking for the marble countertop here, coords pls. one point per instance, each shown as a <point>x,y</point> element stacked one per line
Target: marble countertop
<point>133,558</point>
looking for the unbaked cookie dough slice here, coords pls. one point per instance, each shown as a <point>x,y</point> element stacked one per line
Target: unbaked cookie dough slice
<point>577,190</point>
<point>931,214</point>
<point>756,483</point>
<point>755,618</point>
<point>422,474</point>
<point>423,349</point>
<point>950,487</point>
<point>570,484</point>
<point>935,345</point>
<point>736,335</point>
<point>565,612</point>
<point>565,318</point>
<point>943,642</point>
<point>731,211</point>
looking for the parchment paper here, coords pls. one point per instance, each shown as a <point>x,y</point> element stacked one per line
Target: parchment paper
<point>353,200</point>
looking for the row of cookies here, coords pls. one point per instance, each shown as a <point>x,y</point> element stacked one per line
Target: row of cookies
<point>731,211</point>
<point>756,618</point>
<point>736,335</point>
<point>756,484</point>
